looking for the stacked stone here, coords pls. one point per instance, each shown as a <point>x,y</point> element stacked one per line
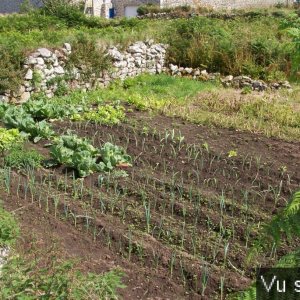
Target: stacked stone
<point>41,67</point>
<point>44,69</point>
<point>139,58</point>
<point>238,82</point>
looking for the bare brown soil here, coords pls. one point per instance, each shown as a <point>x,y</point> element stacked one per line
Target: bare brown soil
<point>201,203</point>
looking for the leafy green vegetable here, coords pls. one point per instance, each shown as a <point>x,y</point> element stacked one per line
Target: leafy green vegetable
<point>105,114</point>
<point>17,117</point>
<point>42,108</point>
<point>76,153</point>
<point>3,107</point>
<point>8,138</point>
<point>112,155</point>
<point>80,155</point>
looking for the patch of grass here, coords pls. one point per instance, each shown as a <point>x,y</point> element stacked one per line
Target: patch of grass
<point>204,103</point>
<point>25,279</point>
<point>166,86</point>
<point>270,115</point>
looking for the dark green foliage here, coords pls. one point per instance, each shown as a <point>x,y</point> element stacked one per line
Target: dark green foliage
<point>71,13</point>
<point>11,73</point>
<point>154,9</point>
<point>230,46</point>
<point>33,21</point>
<point>151,9</point>
<point>9,229</point>
<point>285,225</point>
<point>21,158</point>
<point>291,25</point>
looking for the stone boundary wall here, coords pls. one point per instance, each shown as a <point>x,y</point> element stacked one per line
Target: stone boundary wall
<point>45,70</point>
<point>238,82</point>
<point>225,4</point>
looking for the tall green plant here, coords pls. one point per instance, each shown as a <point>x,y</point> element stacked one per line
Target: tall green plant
<point>284,225</point>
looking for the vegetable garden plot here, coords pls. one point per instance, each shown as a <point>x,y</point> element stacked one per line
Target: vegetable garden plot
<point>183,210</point>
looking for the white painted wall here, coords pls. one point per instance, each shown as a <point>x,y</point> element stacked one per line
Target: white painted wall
<point>130,11</point>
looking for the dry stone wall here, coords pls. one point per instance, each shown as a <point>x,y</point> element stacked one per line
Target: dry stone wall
<point>45,69</point>
<point>238,82</point>
<point>225,4</point>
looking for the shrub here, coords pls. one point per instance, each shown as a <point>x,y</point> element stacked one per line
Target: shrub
<point>291,25</point>
<point>66,10</point>
<point>229,46</point>
<point>11,73</point>
<point>148,8</point>
<point>85,52</point>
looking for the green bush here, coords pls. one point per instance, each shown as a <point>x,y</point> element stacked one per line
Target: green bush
<point>254,47</point>
<point>11,73</point>
<point>86,52</point>
<point>9,229</point>
<point>148,8</point>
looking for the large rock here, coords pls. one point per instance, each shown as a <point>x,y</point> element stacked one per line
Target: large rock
<point>44,52</point>
<point>59,70</point>
<point>173,68</point>
<point>68,47</point>
<point>25,97</point>
<point>138,47</point>
<point>30,60</point>
<point>40,61</point>
<point>29,74</point>
<point>3,98</point>
<point>115,54</point>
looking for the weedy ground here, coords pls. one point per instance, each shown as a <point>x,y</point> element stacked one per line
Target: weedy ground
<point>208,168</point>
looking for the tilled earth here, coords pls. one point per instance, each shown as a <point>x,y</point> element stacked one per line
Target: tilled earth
<point>180,223</point>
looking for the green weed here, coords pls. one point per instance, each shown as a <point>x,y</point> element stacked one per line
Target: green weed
<point>21,158</point>
<point>9,229</point>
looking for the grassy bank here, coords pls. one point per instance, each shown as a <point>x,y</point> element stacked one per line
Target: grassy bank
<point>258,45</point>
